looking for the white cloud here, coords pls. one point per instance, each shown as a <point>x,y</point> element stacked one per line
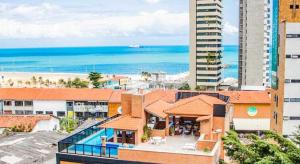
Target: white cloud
<point>230,29</point>
<point>50,21</point>
<point>152,1</point>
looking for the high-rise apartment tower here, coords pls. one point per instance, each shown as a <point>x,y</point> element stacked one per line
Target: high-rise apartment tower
<point>254,43</point>
<point>205,43</point>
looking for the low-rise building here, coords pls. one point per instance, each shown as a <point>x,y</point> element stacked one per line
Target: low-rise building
<point>251,110</point>
<point>60,102</point>
<point>168,126</point>
<point>29,123</point>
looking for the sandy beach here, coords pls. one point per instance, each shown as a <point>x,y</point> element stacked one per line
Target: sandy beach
<point>25,79</point>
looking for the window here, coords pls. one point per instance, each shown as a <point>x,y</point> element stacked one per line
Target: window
<point>294,118</point>
<point>61,114</point>
<point>294,99</point>
<point>19,112</point>
<point>18,103</point>
<point>7,103</point>
<point>28,103</point>
<point>49,112</point>
<point>69,104</point>
<point>39,112</point>
<point>287,81</point>
<point>28,112</point>
<point>286,100</point>
<point>295,81</point>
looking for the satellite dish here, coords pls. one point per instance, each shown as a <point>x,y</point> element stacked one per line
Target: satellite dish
<point>120,110</point>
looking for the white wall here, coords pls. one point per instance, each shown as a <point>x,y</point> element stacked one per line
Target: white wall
<point>47,125</point>
<point>251,124</point>
<point>49,106</point>
<point>292,90</point>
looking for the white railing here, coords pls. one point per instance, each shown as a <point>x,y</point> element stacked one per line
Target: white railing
<point>90,108</point>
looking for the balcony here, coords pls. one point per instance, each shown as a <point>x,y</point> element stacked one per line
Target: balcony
<point>90,108</point>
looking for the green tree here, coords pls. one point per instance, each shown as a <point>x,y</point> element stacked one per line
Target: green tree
<point>33,79</point>
<point>296,138</point>
<point>78,83</point>
<point>95,78</point>
<point>185,86</point>
<point>68,124</point>
<point>271,148</point>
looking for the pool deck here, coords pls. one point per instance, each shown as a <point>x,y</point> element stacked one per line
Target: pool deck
<point>174,144</point>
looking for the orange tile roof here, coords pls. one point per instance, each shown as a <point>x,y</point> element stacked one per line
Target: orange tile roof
<point>9,121</point>
<point>55,94</point>
<point>245,97</point>
<point>194,106</point>
<point>157,108</point>
<point>116,96</point>
<point>170,96</point>
<point>125,122</point>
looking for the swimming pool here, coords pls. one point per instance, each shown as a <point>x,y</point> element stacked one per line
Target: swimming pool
<point>92,145</point>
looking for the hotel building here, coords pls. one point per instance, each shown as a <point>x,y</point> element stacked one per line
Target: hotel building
<point>205,43</point>
<point>60,102</point>
<point>254,43</point>
<point>286,83</point>
<point>184,127</point>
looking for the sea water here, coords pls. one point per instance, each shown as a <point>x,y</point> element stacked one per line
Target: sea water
<point>107,60</point>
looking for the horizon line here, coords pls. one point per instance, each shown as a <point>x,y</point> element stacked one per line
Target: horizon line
<point>5,48</point>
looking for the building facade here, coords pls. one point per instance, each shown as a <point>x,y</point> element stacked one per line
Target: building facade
<point>205,43</point>
<point>254,43</point>
<point>286,96</point>
<point>60,102</point>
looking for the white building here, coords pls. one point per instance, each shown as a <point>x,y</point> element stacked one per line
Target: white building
<point>254,43</point>
<point>205,43</point>
<point>79,103</point>
<point>291,106</point>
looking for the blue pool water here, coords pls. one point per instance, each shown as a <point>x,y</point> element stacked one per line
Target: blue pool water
<point>92,145</point>
<point>108,60</point>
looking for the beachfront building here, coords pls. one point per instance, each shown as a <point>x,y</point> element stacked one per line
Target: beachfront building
<point>205,43</point>
<point>60,102</point>
<point>184,127</point>
<point>254,43</point>
<point>287,96</point>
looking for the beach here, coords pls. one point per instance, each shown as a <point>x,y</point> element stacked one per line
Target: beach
<point>25,79</point>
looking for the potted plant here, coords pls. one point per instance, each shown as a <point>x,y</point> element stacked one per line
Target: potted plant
<point>172,131</point>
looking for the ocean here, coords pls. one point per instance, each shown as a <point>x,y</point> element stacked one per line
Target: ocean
<point>107,60</point>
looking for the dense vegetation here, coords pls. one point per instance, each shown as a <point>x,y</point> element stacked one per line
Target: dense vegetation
<point>270,148</point>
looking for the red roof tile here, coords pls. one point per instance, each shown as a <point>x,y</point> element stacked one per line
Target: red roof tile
<point>125,122</point>
<point>9,121</point>
<point>157,108</point>
<point>245,97</point>
<point>116,96</point>
<point>55,94</point>
<point>194,106</point>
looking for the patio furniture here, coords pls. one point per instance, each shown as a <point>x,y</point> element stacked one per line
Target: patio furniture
<point>151,141</point>
<point>189,146</point>
<point>157,140</point>
<point>164,140</point>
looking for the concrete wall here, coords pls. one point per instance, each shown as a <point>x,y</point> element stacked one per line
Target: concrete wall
<point>47,125</point>
<point>54,106</point>
<point>113,109</point>
<point>159,157</point>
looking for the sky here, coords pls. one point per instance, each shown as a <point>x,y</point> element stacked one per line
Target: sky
<point>68,23</point>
